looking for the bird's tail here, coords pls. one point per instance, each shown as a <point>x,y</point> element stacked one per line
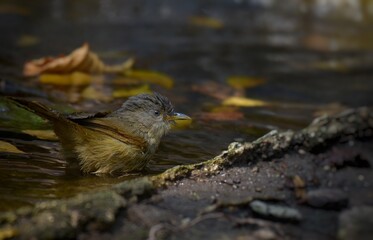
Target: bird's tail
<point>39,109</point>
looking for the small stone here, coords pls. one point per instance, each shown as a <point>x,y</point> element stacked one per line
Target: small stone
<point>258,189</point>
<point>361,178</point>
<point>356,224</point>
<point>275,211</point>
<point>264,234</point>
<point>301,151</point>
<point>327,198</point>
<point>255,170</point>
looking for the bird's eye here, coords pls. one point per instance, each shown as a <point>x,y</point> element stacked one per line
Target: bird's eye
<point>156,113</point>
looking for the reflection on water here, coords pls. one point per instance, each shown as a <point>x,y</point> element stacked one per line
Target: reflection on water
<point>314,57</point>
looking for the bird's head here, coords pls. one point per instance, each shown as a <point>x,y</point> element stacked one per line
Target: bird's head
<point>150,115</point>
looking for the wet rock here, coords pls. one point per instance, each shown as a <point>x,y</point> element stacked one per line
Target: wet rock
<point>327,198</point>
<point>275,211</point>
<point>356,223</point>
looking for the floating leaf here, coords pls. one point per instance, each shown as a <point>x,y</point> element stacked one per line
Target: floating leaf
<point>7,147</point>
<point>216,90</point>
<point>244,102</point>
<point>75,78</point>
<point>8,232</point>
<point>208,22</point>
<point>42,134</point>
<point>240,82</point>
<point>151,77</point>
<point>81,59</point>
<point>128,92</point>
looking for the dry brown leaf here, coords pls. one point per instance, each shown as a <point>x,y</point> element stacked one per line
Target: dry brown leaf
<point>8,147</point>
<point>216,90</point>
<point>299,187</point>
<point>81,59</point>
<point>42,134</point>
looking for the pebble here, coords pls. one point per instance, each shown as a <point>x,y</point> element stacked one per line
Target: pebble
<point>275,211</point>
<point>327,198</point>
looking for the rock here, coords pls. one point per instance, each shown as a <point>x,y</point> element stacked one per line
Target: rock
<point>327,198</point>
<point>275,211</point>
<point>356,223</point>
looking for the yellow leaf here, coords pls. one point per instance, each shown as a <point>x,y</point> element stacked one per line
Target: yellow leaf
<point>42,134</point>
<point>75,78</point>
<point>244,102</point>
<point>8,232</point>
<point>7,147</point>
<point>181,124</point>
<point>151,77</point>
<point>209,22</point>
<point>240,82</point>
<point>123,93</point>
<point>27,41</point>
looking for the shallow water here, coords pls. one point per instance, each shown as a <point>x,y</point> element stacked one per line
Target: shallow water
<point>313,58</point>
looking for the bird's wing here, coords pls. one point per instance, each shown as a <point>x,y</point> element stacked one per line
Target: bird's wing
<point>110,128</point>
<point>81,116</point>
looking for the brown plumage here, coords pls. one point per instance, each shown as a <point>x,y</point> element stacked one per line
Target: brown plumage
<point>122,141</point>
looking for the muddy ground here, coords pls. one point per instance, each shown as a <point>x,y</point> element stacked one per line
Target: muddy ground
<point>313,184</point>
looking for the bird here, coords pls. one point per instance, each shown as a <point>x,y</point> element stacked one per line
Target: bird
<point>118,142</point>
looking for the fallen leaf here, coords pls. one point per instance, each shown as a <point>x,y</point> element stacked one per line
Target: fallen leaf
<point>8,147</point>
<point>240,82</point>
<point>128,92</point>
<point>298,182</point>
<point>209,22</point>
<point>75,78</point>
<point>216,90</point>
<point>80,59</point>
<point>244,102</point>
<point>42,134</point>
<point>151,77</point>
<point>8,232</point>
<point>299,188</point>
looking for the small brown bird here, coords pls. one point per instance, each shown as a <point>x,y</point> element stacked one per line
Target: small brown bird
<point>122,141</point>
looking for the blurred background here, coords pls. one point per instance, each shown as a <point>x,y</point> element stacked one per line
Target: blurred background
<point>239,68</point>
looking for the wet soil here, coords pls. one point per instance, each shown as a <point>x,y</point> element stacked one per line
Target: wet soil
<point>316,183</point>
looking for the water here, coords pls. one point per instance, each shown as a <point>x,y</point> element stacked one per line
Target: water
<point>313,57</point>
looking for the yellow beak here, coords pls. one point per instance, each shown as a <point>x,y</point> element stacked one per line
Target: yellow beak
<point>178,116</point>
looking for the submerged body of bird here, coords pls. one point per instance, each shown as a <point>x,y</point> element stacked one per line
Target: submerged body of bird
<point>122,141</point>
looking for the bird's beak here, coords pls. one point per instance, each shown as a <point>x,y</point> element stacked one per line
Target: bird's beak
<point>178,116</point>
